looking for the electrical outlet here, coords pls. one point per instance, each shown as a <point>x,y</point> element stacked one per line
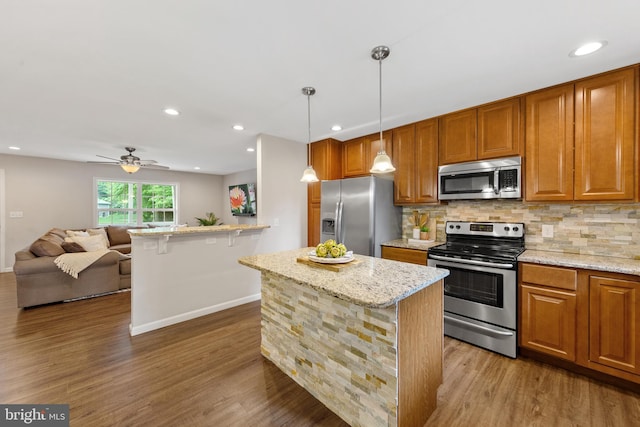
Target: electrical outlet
<point>547,230</point>
<point>276,222</point>
<point>16,214</point>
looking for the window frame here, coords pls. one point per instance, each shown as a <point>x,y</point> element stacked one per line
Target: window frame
<point>138,210</point>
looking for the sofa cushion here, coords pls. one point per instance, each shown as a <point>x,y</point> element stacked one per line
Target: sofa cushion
<point>118,235</point>
<point>89,243</point>
<point>99,232</point>
<point>58,232</point>
<point>47,245</point>
<point>123,249</point>
<point>77,233</point>
<point>72,247</point>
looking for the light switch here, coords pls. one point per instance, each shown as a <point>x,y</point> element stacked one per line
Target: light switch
<point>16,214</point>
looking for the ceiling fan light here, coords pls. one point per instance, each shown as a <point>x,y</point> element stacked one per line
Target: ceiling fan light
<point>309,175</point>
<point>130,168</point>
<point>382,163</point>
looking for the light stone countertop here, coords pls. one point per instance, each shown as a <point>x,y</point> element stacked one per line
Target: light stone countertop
<point>590,262</point>
<point>173,231</point>
<point>404,243</point>
<point>373,282</point>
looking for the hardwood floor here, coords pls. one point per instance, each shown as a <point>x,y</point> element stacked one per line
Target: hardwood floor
<point>209,372</point>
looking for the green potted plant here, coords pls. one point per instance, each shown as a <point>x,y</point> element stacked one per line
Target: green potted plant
<point>209,219</point>
<point>424,232</point>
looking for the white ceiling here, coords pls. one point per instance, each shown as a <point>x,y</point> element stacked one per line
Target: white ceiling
<point>86,77</point>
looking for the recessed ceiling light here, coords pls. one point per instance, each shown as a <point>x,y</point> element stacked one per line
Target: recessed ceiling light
<point>238,127</point>
<point>336,127</point>
<point>588,48</point>
<point>14,148</point>
<point>251,149</point>
<point>197,168</point>
<point>171,111</point>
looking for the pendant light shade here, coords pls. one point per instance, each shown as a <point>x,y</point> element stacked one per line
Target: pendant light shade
<point>309,175</point>
<point>130,168</point>
<point>382,162</point>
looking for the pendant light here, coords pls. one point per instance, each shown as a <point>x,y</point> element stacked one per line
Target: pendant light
<point>309,175</point>
<point>382,162</point>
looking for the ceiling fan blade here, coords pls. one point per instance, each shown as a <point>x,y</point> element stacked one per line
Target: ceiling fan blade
<point>104,163</point>
<point>154,166</point>
<point>110,158</point>
<point>148,161</point>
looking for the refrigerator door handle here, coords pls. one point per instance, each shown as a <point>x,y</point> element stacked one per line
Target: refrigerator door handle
<point>338,222</point>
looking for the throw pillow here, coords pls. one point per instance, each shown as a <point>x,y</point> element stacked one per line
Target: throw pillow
<point>47,245</point>
<point>58,232</point>
<point>99,232</point>
<point>74,233</point>
<point>72,247</point>
<point>90,243</point>
<point>118,234</point>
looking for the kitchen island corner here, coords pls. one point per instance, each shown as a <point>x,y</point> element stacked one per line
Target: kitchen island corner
<point>366,341</point>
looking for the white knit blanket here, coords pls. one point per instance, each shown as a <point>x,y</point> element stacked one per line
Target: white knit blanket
<point>74,263</point>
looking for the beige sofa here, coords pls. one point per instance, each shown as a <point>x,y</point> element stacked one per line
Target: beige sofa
<point>40,281</point>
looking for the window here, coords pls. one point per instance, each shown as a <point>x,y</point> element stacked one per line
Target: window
<point>135,203</point>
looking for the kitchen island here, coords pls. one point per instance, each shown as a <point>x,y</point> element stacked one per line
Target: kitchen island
<point>366,340</point>
<point>179,273</point>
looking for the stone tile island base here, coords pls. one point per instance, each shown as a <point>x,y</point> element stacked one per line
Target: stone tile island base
<point>370,366</point>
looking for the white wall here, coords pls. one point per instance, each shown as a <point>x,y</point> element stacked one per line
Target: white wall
<point>246,177</point>
<point>57,193</point>
<point>282,198</point>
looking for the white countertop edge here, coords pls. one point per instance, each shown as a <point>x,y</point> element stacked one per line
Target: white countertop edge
<point>173,231</point>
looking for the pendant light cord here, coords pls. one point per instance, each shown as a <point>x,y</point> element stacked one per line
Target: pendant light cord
<point>380,109</point>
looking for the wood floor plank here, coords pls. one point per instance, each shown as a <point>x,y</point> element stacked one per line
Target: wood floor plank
<point>209,372</point>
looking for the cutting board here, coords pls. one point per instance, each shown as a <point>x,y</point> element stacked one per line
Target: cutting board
<point>330,267</point>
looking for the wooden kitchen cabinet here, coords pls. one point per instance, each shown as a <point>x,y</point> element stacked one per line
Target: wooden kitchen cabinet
<point>358,154</point>
<point>487,132</point>
<point>413,256</point>
<point>548,310</point>
<point>604,137</point>
<point>614,323</point>
<point>592,159</point>
<point>457,140</point>
<point>500,129</point>
<point>416,160</point>
<point>549,149</point>
<point>326,159</point>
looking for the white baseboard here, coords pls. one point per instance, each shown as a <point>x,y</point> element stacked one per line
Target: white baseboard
<point>140,329</point>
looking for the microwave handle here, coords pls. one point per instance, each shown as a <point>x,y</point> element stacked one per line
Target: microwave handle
<point>496,181</point>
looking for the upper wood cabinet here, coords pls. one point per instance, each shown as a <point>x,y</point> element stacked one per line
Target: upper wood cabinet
<point>326,159</point>
<point>415,154</point>
<point>490,131</point>
<point>549,144</point>
<point>358,154</point>
<point>500,129</point>
<point>604,137</point>
<point>591,160</point>
<point>457,142</point>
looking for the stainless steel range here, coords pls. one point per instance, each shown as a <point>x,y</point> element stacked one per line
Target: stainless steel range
<point>480,297</point>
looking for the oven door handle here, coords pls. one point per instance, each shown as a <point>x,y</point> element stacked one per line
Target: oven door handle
<point>471,261</point>
<point>469,325</point>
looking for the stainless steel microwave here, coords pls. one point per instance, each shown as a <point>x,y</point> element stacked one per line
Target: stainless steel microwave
<point>485,179</point>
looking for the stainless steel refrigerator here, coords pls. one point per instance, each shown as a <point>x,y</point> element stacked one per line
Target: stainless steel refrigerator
<point>359,212</point>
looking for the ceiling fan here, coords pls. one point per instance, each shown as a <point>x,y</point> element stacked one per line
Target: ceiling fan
<point>130,163</point>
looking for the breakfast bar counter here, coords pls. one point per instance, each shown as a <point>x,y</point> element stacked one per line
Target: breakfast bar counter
<point>364,338</point>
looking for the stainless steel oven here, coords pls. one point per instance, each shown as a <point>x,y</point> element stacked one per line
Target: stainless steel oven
<point>480,293</point>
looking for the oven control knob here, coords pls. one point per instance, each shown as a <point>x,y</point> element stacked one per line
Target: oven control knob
<point>506,228</point>
<point>451,226</point>
<point>515,228</point>
<point>457,227</point>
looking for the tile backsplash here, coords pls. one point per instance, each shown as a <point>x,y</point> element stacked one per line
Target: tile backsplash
<point>588,229</point>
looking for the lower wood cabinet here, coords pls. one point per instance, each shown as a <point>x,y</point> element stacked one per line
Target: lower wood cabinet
<point>548,310</point>
<point>614,323</point>
<point>414,256</point>
<point>587,317</point>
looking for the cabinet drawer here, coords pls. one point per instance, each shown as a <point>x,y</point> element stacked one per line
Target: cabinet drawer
<point>413,256</point>
<point>557,277</point>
